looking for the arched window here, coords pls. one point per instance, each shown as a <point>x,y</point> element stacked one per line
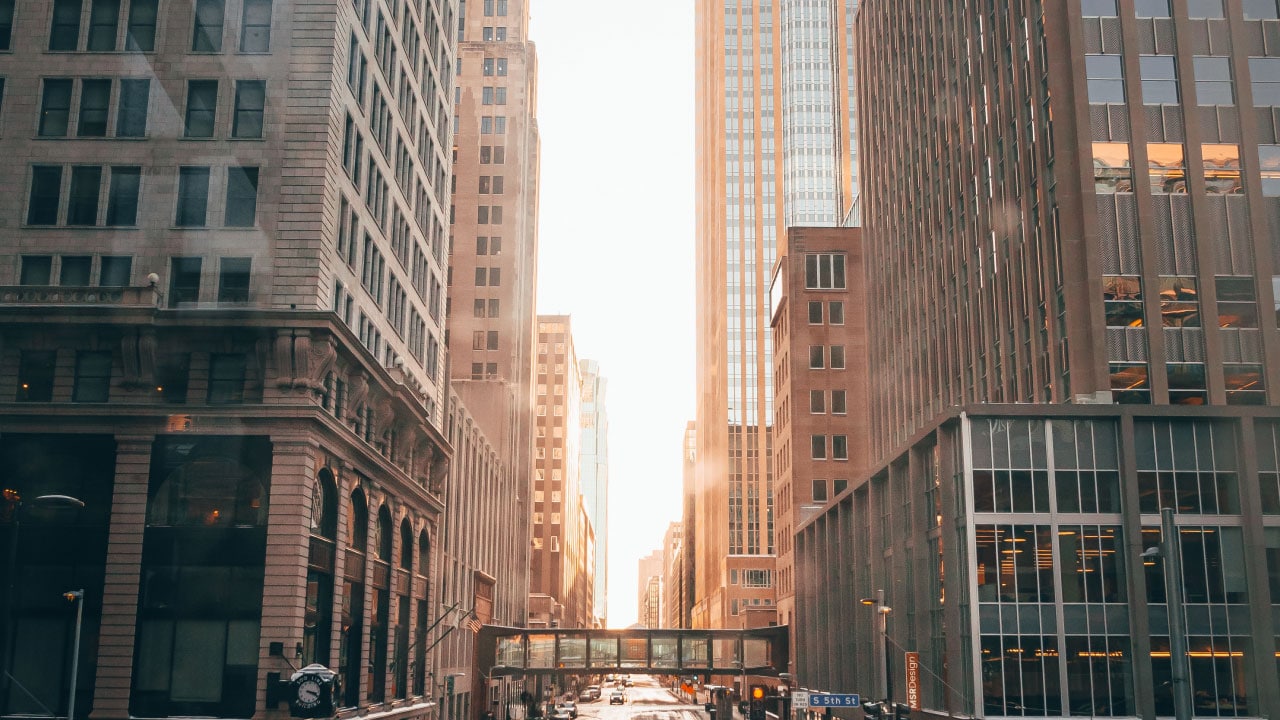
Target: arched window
<point>358,522</point>
<point>350,656</point>
<point>317,625</point>
<point>212,491</point>
<point>406,545</point>
<point>324,506</point>
<point>400,679</point>
<point>424,616</point>
<point>379,622</point>
<point>383,538</point>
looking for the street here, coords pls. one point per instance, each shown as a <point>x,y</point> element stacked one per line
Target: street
<point>646,700</point>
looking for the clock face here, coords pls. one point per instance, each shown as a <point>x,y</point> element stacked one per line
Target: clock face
<point>309,693</point>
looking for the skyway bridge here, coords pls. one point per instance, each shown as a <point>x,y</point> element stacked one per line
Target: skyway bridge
<point>524,651</point>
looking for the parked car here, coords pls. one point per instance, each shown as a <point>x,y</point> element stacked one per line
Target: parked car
<point>560,714</point>
<point>570,707</point>
<point>586,696</point>
<point>617,698</point>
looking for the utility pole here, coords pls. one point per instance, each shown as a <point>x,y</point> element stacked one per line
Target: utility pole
<point>1171,549</point>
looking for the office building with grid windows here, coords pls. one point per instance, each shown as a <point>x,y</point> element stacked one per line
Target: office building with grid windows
<point>223,316</point>
<point>1071,252</point>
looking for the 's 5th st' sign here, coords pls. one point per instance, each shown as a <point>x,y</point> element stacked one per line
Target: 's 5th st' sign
<point>834,700</point>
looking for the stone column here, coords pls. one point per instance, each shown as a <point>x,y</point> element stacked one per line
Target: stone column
<point>121,588</point>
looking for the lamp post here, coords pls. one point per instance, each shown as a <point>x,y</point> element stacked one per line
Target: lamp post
<point>881,644</point>
<point>1170,550</point>
<point>77,597</point>
<point>12,513</point>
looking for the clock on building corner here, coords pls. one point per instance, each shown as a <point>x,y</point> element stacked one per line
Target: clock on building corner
<point>314,688</point>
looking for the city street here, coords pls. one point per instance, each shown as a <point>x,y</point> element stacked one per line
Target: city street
<point>646,700</point>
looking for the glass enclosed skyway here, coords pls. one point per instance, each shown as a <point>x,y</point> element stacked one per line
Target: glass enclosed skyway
<point>516,651</point>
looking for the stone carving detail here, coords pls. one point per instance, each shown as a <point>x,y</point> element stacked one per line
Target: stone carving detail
<point>439,473</point>
<point>357,391</point>
<point>299,362</point>
<point>320,362</point>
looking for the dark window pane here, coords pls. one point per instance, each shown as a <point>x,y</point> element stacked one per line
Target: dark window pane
<point>141,35</point>
<point>202,107</point>
<point>36,270</point>
<point>250,100</point>
<point>95,96</point>
<point>122,201</point>
<point>65,33</point>
<point>35,375</point>
<point>242,196</point>
<point>207,34</point>
<point>172,373</point>
<point>226,378</point>
<point>75,270</point>
<point>255,30</point>
<point>115,270</point>
<point>6,24</point>
<point>46,189</point>
<point>131,119</point>
<point>233,281</point>
<point>104,19</point>
<point>93,376</point>
<point>193,196</point>
<point>82,206</point>
<point>55,107</point>
<point>184,281</point>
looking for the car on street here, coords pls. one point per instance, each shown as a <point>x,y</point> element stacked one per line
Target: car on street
<point>617,698</point>
<point>586,696</point>
<point>595,691</point>
<point>568,706</point>
<point>629,682</point>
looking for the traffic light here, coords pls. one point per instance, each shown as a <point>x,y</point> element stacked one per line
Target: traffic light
<point>757,703</point>
<point>873,710</point>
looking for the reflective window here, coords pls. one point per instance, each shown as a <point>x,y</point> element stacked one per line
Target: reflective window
<point>1213,81</point>
<point>1111,168</point>
<point>1159,76</point>
<point>1260,9</point>
<point>1098,8</point>
<point>1105,75</point>
<point>1264,76</point>
<point>1204,8</point>
<point>1167,168</point>
<point>1221,168</point>
<point>1130,383</point>
<point>1151,8</point>
<point>1123,297</point>
<point>1179,302</point>
<point>1269,161</point>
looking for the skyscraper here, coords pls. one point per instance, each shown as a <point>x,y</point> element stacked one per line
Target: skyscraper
<point>223,322</point>
<point>595,477</point>
<point>774,149</point>
<point>649,590</point>
<point>1070,267</point>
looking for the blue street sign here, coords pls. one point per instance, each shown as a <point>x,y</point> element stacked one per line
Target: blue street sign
<point>834,700</point>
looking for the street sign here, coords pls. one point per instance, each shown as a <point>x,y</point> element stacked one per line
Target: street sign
<point>834,700</point>
<point>799,698</point>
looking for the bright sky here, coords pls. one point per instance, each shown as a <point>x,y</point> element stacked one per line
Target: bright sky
<point>615,109</point>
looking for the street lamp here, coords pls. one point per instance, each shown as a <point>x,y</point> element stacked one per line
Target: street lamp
<point>881,645</point>
<point>13,506</point>
<point>1170,550</point>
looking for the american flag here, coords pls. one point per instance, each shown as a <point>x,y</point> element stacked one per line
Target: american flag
<point>473,623</point>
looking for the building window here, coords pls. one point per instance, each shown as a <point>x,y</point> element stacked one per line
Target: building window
<point>55,107</point>
<point>1199,9</point>
<point>817,359</point>
<point>36,270</point>
<point>46,191</point>
<point>1159,75</point>
<point>122,198</point>
<point>65,33</point>
<point>839,447</point>
<point>837,357</point>
<point>835,313</point>
<point>6,24</point>
<point>202,108</point>
<point>242,197</point>
<point>1151,9</point>
<point>1130,383</point>
<point>820,491</point>
<point>1221,169</point>
<point>838,406</point>
<point>75,270</point>
<point>35,375</point>
<point>206,36</point>
<point>1260,10</point>
<point>839,486</point>
<point>131,114</point>
<point>1122,297</point>
<point>1269,161</point>
<point>1105,75</point>
<point>141,33</point>
<point>233,280</point>
<point>1186,383</point>
<point>251,98</point>
<point>95,97</point>
<point>93,376</point>
<point>255,28</point>
<point>193,196</point>
<point>226,378</point>
<point>491,340</point>
<point>815,313</point>
<point>82,202</point>
<point>824,271</point>
<point>1098,8</point>
<point>1213,81</point>
<point>1112,172</point>
<point>184,280</point>
<point>1264,76</point>
<point>115,270</point>
<point>818,445</point>
<point>1166,168</point>
<point>104,19</point>
<point>817,402</point>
